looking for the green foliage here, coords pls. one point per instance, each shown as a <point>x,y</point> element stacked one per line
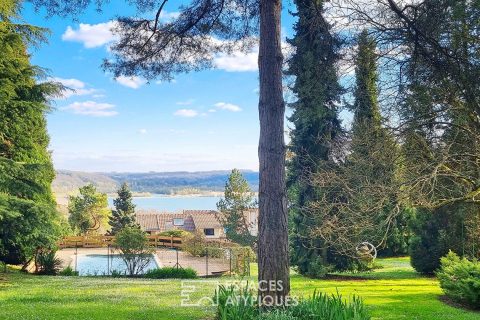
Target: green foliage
<point>88,211</point>
<point>124,213</point>
<point>171,273</point>
<point>68,272</point>
<point>134,249</point>
<point>241,304</point>
<point>47,263</point>
<point>435,234</point>
<point>317,133</point>
<point>197,245</point>
<point>238,199</point>
<point>236,303</point>
<point>194,244</point>
<point>175,233</point>
<point>460,279</point>
<point>28,219</point>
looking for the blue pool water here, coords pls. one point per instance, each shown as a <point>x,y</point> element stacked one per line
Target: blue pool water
<point>99,264</point>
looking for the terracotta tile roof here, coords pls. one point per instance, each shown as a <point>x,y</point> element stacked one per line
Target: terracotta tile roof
<point>204,218</point>
<point>154,220</point>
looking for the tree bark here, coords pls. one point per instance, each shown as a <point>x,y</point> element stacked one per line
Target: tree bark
<point>273,258</point>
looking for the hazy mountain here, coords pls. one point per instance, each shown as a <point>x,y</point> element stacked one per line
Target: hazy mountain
<point>152,182</point>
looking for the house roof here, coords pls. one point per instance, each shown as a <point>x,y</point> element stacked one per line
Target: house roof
<point>204,218</point>
<point>154,220</point>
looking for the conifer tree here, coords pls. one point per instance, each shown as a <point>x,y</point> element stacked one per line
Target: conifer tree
<point>238,199</point>
<point>317,129</point>
<point>28,218</point>
<point>124,213</point>
<point>372,162</point>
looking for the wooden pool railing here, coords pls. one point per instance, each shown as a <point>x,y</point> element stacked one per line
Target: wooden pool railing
<point>94,241</point>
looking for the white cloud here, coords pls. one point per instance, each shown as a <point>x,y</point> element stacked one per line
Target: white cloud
<point>142,131</point>
<point>228,106</point>
<point>168,16</point>
<point>187,113</point>
<point>91,35</point>
<point>75,87</point>
<point>92,108</point>
<point>212,110</point>
<point>131,82</point>
<point>237,61</point>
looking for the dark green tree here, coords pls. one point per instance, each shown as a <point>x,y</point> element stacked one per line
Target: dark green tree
<point>124,213</point>
<point>234,206</point>
<point>28,218</point>
<point>88,210</point>
<point>317,130</point>
<point>373,157</point>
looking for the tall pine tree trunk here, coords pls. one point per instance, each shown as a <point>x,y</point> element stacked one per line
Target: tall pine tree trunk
<point>273,259</point>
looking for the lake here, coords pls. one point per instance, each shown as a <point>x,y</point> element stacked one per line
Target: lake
<point>169,203</point>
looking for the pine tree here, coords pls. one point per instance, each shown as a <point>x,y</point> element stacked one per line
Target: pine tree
<point>317,129</point>
<point>27,208</point>
<point>238,199</point>
<point>124,213</point>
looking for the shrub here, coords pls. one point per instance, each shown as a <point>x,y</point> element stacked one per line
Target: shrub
<point>47,263</point>
<point>116,274</point>
<point>171,273</point>
<point>175,233</point>
<point>134,249</point>
<point>68,272</point>
<point>198,246</point>
<point>430,241</point>
<point>194,244</point>
<point>240,304</point>
<point>460,279</point>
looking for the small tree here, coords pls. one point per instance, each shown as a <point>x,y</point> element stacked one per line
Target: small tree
<point>88,211</point>
<point>135,251</point>
<point>238,199</point>
<point>124,213</point>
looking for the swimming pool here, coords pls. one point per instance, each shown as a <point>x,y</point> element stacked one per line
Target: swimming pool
<point>102,264</point>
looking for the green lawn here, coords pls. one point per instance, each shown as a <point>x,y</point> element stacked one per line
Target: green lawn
<point>393,292</point>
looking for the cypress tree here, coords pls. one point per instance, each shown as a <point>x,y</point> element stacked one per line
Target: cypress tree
<point>372,162</point>
<point>28,218</point>
<point>124,213</point>
<point>317,128</point>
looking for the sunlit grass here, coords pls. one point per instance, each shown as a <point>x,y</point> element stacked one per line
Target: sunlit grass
<point>392,292</point>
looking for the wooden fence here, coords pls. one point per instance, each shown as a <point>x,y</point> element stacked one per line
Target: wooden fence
<point>105,241</point>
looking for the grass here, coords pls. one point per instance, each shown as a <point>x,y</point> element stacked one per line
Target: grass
<point>392,292</point>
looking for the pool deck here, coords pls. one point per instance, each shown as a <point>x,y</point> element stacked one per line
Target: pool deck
<point>163,258</point>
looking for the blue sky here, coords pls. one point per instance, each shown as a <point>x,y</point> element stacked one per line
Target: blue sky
<point>200,121</point>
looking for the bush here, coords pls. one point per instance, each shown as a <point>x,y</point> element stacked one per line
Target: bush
<point>134,249</point>
<point>460,279</point>
<point>431,241</point>
<point>175,233</point>
<point>194,244</point>
<point>171,273</point>
<point>68,272</point>
<point>240,304</point>
<point>47,263</point>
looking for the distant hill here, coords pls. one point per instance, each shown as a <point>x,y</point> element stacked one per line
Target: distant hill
<point>153,182</point>
<point>67,182</point>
